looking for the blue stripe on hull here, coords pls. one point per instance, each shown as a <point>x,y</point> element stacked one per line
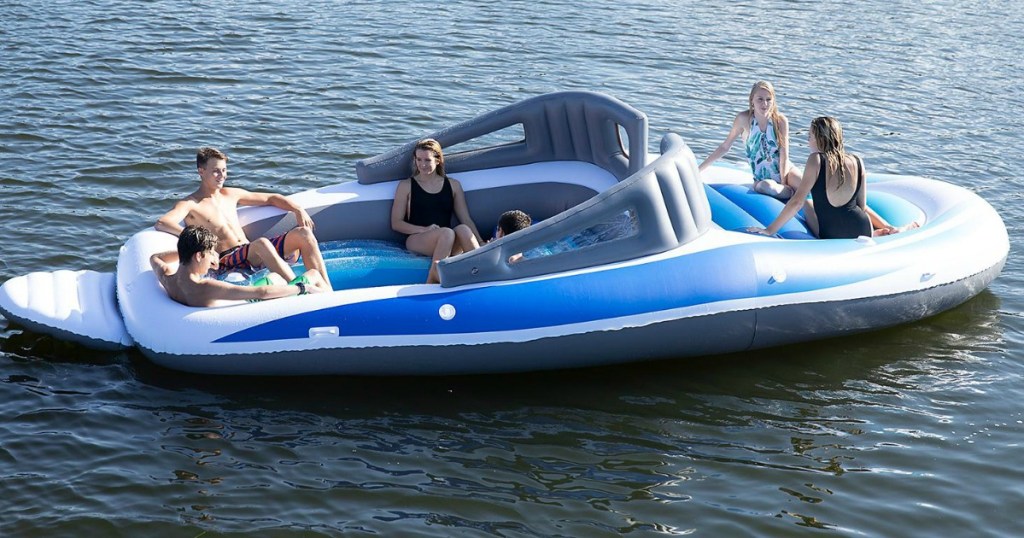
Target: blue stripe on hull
<point>723,274</point>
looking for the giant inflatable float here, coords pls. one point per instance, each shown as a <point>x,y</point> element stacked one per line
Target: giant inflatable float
<point>633,256</point>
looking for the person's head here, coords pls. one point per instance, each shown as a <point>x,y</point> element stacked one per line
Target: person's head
<point>762,98</point>
<point>513,221</point>
<point>194,243</point>
<point>212,165</point>
<point>428,157</point>
<point>826,136</point>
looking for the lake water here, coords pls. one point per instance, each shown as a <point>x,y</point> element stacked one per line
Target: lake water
<point>913,431</point>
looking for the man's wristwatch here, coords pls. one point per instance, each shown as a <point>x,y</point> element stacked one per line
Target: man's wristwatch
<point>302,288</point>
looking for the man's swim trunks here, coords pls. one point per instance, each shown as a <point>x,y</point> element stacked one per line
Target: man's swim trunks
<point>238,257</point>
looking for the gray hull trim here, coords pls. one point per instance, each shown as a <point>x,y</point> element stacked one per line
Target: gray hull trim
<point>61,333</point>
<point>721,333</point>
<point>788,324</point>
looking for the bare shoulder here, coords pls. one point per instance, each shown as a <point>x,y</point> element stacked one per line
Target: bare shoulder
<point>783,122</point>
<point>236,192</point>
<point>181,208</point>
<point>173,286</point>
<point>404,186</point>
<point>851,162</point>
<point>189,200</point>
<point>741,124</point>
<point>208,290</point>
<point>457,189</point>
<point>814,161</point>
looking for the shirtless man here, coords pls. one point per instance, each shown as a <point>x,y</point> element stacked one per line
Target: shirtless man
<point>189,285</point>
<point>512,221</point>
<point>215,207</point>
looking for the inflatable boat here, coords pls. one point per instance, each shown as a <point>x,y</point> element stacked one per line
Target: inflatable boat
<point>632,256</point>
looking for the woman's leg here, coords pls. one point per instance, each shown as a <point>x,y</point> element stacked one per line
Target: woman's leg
<point>465,241</point>
<point>792,178</point>
<point>783,189</point>
<point>437,244</point>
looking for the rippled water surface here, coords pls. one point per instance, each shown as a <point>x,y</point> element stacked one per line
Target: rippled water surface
<point>913,431</point>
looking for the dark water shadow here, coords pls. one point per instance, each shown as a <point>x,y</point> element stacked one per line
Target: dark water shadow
<point>24,345</point>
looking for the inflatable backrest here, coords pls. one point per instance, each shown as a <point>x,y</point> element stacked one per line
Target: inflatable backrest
<point>562,126</point>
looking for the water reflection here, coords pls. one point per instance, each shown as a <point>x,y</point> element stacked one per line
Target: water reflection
<point>795,420</point>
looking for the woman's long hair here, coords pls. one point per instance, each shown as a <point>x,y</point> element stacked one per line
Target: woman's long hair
<point>828,136</point>
<point>434,146</point>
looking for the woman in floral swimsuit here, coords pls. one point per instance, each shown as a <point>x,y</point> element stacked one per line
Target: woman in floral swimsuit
<point>765,131</point>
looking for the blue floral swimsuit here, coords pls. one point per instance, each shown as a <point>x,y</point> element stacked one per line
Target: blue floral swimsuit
<point>763,151</point>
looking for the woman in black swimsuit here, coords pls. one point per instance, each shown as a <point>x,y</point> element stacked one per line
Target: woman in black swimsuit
<point>423,209</point>
<point>836,182</point>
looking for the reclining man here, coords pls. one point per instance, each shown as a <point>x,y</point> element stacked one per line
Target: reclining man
<point>215,207</point>
<point>189,285</point>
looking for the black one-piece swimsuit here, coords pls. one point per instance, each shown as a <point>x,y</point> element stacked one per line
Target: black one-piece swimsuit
<point>843,222</point>
<point>427,208</point>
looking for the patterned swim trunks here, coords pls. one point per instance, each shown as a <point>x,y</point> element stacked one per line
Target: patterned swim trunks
<point>238,257</point>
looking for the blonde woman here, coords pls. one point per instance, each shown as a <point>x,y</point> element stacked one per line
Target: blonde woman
<point>765,132</point>
<point>423,208</point>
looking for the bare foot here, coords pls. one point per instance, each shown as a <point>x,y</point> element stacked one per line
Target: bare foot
<point>895,229</point>
<point>433,277</point>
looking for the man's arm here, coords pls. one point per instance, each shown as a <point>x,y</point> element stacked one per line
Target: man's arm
<point>171,221</point>
<point>163,268</point>
<point>207,292</point>
<point>277,200</point>
<point>161,263</point>
<point>211,290</point>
